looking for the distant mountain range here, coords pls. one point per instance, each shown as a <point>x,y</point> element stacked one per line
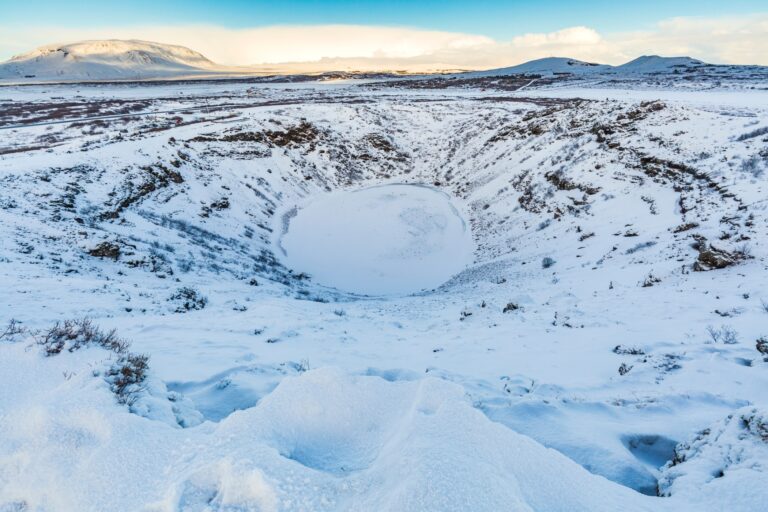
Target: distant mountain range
<point>647,64</point>
<point>139,60</point>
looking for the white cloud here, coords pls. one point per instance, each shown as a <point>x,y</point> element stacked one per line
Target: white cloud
<point>567,36</point>
<point>268,45</point>
<point>727,40</point>
<point>724,40</point>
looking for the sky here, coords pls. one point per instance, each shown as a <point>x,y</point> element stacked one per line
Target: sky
<point>395,34</point>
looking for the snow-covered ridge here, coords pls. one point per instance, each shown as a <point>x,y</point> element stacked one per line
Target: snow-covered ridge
<point>646,64</point>
<point>656,64</point>
<point>107,59</point>
<point>549,65</point>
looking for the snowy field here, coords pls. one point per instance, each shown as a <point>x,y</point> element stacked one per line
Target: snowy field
<point>569,312</point>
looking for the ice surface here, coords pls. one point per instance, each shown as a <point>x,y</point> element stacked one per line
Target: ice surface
<point>380,240</point>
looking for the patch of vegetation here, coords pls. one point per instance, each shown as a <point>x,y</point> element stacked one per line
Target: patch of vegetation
<point>221,204</point>
<point>72,335</point>
<point>218,205</point>
<point>558,179</point>
<point>711,258</point>
<point>756,424</point>
<point>188,299</point>
<point>152,178</point>
<point>685,227</point>
<point>547,262</point>
<point>301,134</point>
<point>12,330</point>
<point>650,280</point>
<point>126,377</point>
<point>511,306</point>
<point>379,142</point>
<point>762,346</point>
<point>630,351</point>
<point>754,133</point>
<point>640,247</point>
<point>725,334</point>
<point>755,165</point>
<point>643,110</point>
<point>106,250</point>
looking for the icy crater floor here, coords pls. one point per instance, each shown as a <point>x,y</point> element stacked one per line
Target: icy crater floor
<point>390,239</point>
<point>579,362</point>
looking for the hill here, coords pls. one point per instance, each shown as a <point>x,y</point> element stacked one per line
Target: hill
<point>107,60</point>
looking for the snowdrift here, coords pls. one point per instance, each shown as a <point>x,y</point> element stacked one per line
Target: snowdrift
<point>321,441</point>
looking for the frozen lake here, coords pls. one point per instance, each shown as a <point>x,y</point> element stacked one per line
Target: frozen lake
<point>389,239</point>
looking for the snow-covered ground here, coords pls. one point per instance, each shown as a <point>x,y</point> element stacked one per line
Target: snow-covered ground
<point>600,349</point>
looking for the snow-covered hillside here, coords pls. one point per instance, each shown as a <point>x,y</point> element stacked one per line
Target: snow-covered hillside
<point>547,66</point>
<point>106,60</point>
<point>649,66</point>
<point>656,64</point>
<point>603,348</point>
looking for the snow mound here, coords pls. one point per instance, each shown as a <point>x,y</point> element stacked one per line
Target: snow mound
<point>724,462</point>
<point>547,66</point>
<point>657,64</point>
<point>320,441</point>
<point>106,59</point>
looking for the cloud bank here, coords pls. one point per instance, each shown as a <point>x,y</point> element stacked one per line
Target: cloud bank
<point>734,40</point>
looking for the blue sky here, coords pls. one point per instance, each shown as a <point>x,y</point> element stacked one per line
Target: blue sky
<point>395,34</point>
<point>494,18</point>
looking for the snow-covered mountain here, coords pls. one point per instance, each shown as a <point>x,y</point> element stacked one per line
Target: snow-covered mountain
<point>547,66</point>
<point>645,65</point>
<point>657,64</point>
<point>106,60</point>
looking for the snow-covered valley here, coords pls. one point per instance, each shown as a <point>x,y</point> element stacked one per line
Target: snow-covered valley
<point>599,343</point>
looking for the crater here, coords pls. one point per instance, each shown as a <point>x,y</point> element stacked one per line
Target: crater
<point>393,239</point>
